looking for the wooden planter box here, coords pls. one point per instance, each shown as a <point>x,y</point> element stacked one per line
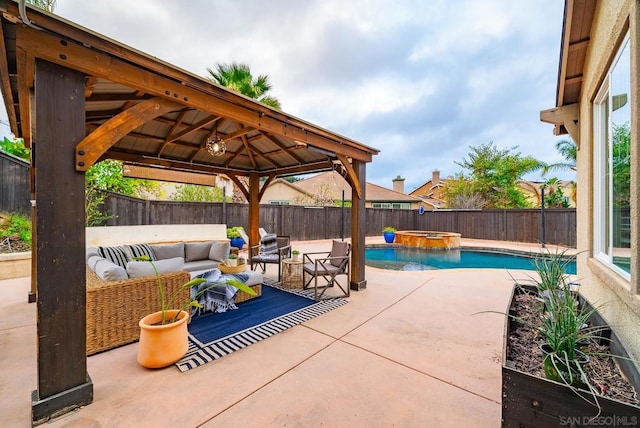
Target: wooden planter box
<point>533,402</point>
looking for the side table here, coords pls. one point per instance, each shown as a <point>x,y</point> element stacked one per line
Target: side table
<point>291,273</point>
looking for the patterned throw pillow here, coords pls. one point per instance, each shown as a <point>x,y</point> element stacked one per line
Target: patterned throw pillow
<point>139,250</point>
<point>269,244</point>
<point>116,255</point>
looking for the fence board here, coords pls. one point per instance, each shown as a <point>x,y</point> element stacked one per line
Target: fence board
<point>14,186</point>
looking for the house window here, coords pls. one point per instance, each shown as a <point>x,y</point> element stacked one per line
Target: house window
<point>394,205</point>
<point>612,166</point>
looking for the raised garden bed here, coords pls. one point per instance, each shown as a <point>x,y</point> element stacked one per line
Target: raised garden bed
<point>531,401</point>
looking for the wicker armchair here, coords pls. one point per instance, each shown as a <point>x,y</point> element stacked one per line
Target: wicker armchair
<point>114,308</point>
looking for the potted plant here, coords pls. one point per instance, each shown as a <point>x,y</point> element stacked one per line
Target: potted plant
<point>163,334</point>
<point>234,235</point>
<point>573,333</point>
<point>296,255</point>
<point>389,234</point>
<point>232,261</point>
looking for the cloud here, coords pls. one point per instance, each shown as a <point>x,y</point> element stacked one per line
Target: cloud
<point>421,81</point>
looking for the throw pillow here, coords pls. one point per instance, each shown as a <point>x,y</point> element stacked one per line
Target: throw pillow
<point>168,251</point>
<point>139,250</point>
<point>339,249</point>
<point>196,251</point>
<point>136,269</point>
<point>117,255</point>
<point>106,270</point>
<point>269,244</point>
<point>219,250</point>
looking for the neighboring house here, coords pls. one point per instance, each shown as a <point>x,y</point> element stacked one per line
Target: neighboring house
<point>283,192</point>
<point>431,192</point>
<point>327,188</point>
<point>533,190</point>
<point>598,105</point>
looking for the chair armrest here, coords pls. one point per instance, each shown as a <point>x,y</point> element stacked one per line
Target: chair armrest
<point>284,251</point>
<point>254,250</point>
<point>306,255</point>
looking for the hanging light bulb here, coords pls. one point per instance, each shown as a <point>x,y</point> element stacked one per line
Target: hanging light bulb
<point>216,146</point>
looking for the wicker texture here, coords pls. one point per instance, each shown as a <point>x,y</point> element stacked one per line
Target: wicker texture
<point>241,296</point>
<point>232,269</point>
<point>114,308</point>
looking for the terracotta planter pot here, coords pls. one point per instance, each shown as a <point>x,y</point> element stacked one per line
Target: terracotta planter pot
<point>162,345</point>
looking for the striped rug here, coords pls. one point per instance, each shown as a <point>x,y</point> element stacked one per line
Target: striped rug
<point>200,353</point>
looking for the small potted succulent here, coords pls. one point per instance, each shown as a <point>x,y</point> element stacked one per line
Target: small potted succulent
<point>232,261</point>
<point>389,234</point>
<point>296,255</point>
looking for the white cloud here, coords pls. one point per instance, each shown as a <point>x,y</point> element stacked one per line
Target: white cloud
<point>420,80</point>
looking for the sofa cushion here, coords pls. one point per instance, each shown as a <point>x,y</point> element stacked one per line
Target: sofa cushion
<point>92,251</point>
<point>117,255</point>
<point>140,250</point>
<point>168,251</point>
<point>196,251</point>
<point>197,265</point>
<point>106,270</point>
<point>136,269</point>
<point>219,250</point>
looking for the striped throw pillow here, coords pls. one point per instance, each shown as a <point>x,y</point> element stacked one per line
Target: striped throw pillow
<point>269,244</point>
<point>116,255</point>
<point>139,250</point>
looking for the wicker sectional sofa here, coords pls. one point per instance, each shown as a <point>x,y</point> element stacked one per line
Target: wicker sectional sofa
<point>117,297</point>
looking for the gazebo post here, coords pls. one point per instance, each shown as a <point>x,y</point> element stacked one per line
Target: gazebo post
<point>358,229</point>
<point>254,209</point>
<point>63,381</point>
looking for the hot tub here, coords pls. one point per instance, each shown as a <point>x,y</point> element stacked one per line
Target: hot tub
<point>428,239</point>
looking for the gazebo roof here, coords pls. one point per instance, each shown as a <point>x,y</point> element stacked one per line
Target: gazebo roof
<point>141,109</point>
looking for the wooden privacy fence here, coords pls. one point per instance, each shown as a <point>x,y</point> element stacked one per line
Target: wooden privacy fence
<point>308,223</point>
<point>14,184</point>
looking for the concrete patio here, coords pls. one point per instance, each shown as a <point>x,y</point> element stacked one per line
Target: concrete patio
<point>409,351</point>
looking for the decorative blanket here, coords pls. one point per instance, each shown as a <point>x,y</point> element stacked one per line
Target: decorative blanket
<point>219,298</point>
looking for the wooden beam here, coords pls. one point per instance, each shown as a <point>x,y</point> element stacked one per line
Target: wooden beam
<point>171,175</point>
<point>9,102</point>
<point>25,65</point>
<point>99,141</point>
<point>240,132</point>
<point>63,381</point>
<point>567,116</point>
<point>90,61</point>
<point>254,209</point>
<point>353,176</point>
<point>357,280</point>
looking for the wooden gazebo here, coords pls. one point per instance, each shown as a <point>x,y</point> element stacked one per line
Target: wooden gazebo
<point>77,97</point>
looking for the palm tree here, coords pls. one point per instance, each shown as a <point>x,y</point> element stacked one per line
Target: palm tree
<point>569,151</point>
<point>238,77</point>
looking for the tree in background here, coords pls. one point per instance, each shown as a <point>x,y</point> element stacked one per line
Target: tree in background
<point>492,178</point>
<point>47,5</point>
<point>569,151</point>
<point>16,148</point>
<point>238,77</point>
<point>459,195</point>
<point>554,197</point>
<point>197,193</point>
<point>107,175</point>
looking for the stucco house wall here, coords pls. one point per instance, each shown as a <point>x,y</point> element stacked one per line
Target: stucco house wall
<point>600,284</point>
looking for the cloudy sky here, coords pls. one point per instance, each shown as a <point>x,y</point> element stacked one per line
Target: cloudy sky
<point>419,80</point>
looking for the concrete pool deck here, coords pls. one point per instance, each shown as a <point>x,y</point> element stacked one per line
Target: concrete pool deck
<point>411,350</point>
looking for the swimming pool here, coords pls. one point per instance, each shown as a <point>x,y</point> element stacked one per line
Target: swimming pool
<point>411,259</point>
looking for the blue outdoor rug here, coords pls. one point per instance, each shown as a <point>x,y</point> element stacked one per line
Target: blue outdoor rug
<point>212,336</point>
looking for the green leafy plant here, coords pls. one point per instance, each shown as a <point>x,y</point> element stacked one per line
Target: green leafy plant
<point>168,303</point>
<point>233,232</point>
<point>295,252</point>
<point>16,148</point>
<point>233,256</point>
<point>388,229</point>
<point>15,226</point>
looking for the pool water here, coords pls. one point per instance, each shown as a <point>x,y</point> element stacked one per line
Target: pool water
<point>408,259</point>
